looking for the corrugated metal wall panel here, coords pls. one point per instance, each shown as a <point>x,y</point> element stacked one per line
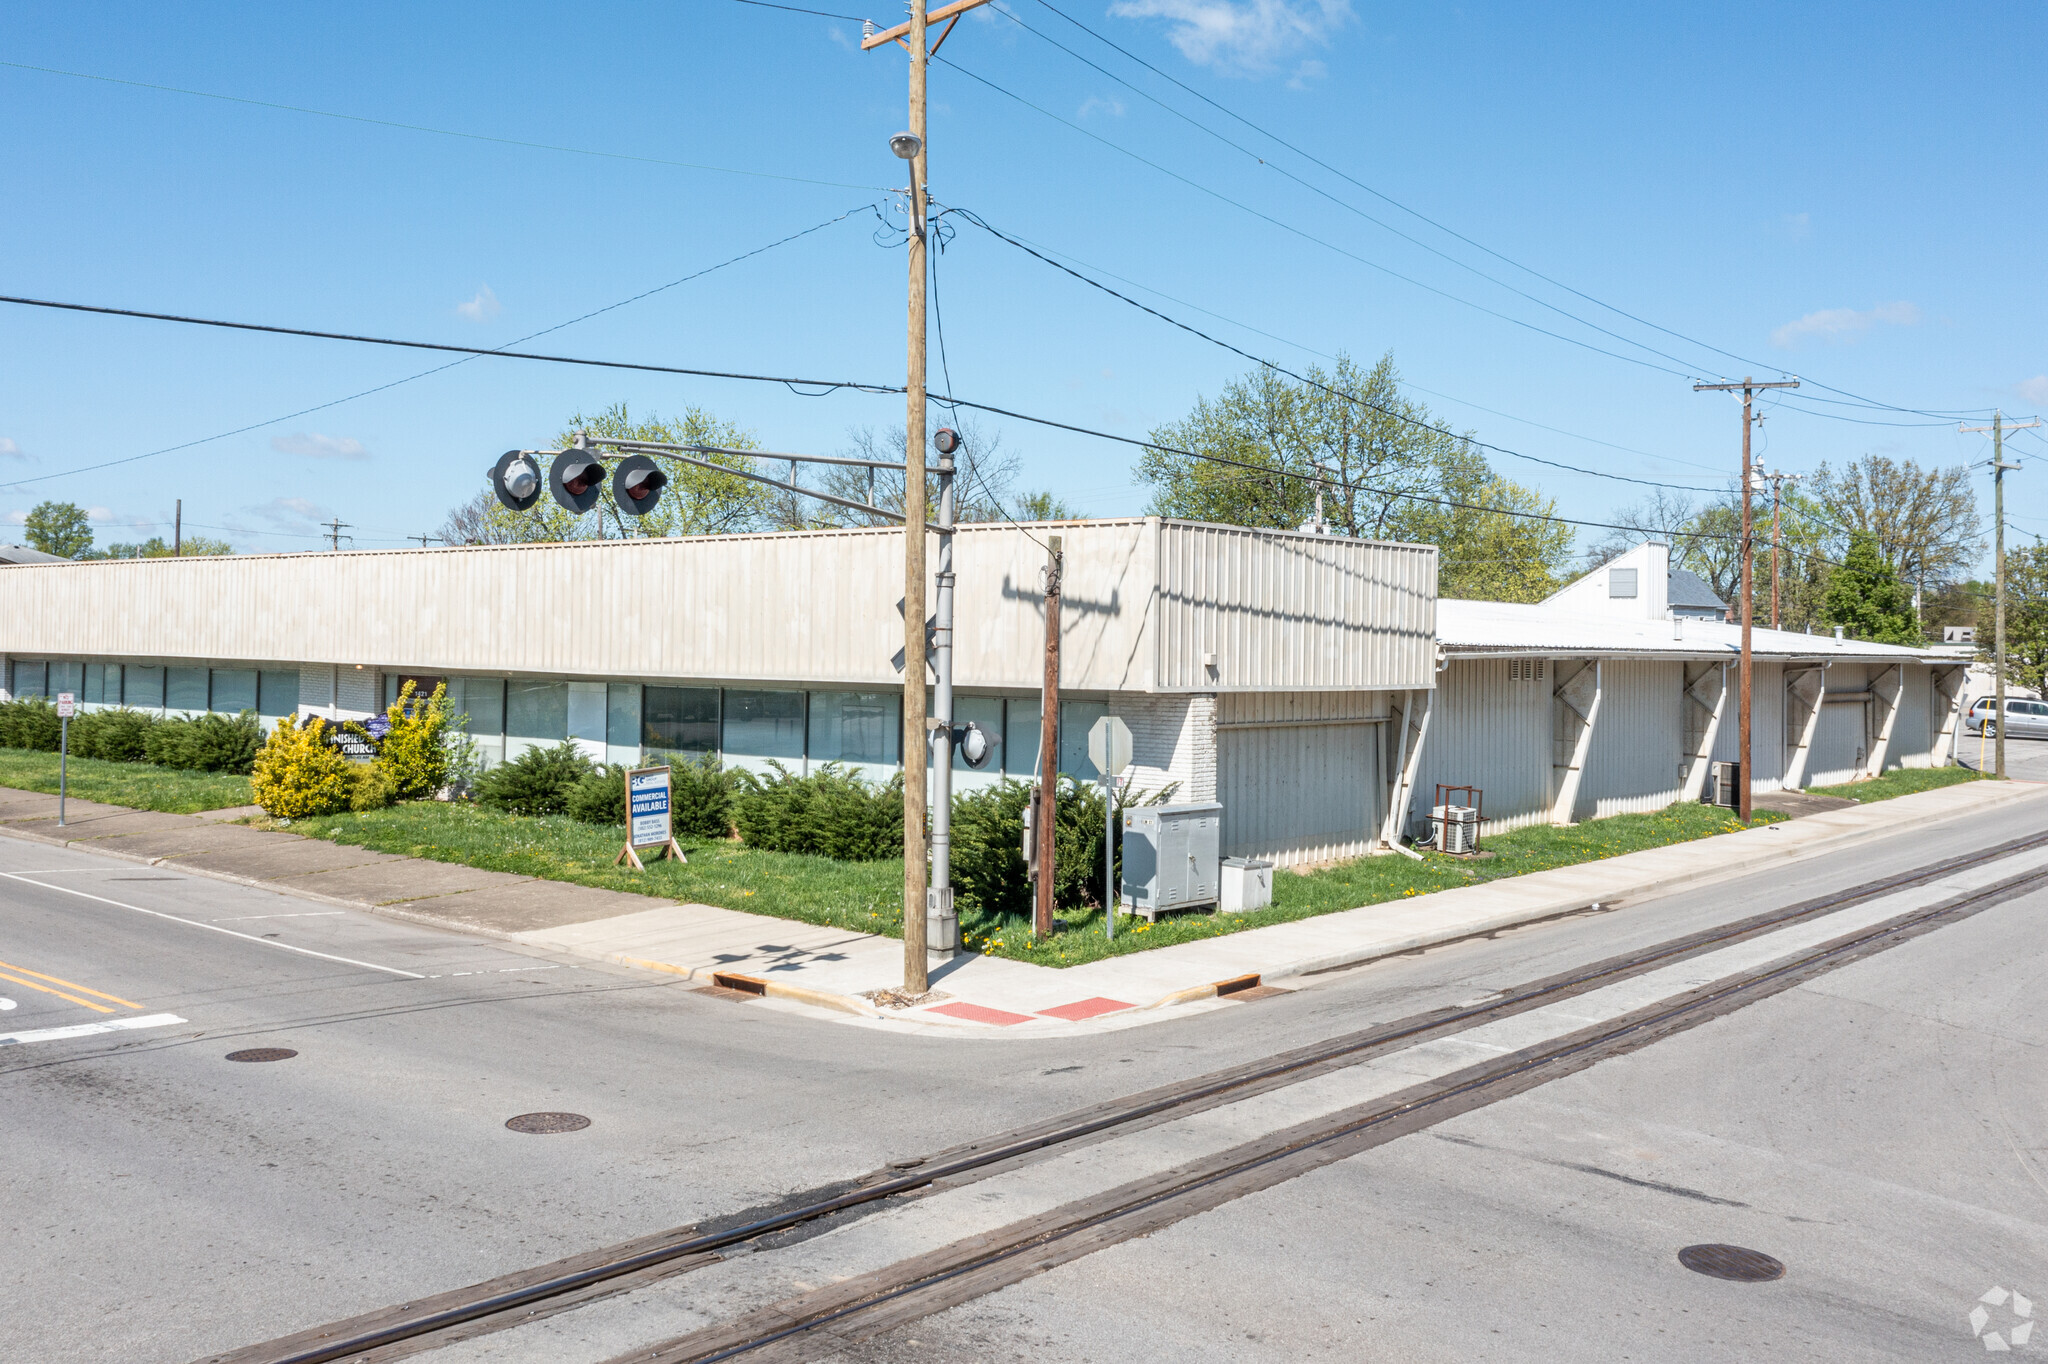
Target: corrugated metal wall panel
<point>1913,737</point>
<point>1292,612</point>
<point>1767,723</point>
<point>1297,784</point>
<point>1491,730</point>
<point>1632,765</point>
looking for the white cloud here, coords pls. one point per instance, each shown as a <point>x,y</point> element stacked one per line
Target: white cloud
<point>1306,74</point>
<point>482,308</point>
<point>315,446</point>
<point>10,450</point>
<point>1798,226</point>
<point>1241,35</point>
<point>2034,390</point>
<point>1845,324</point>
<point>1096,104</point>
<point>17,518</point>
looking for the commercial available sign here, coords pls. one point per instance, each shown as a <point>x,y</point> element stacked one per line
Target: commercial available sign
<point>649,818</point>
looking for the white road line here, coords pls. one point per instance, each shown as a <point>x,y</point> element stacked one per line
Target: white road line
<point>6,1004</point>
<point>312,914</point>
<point>200,923</point>
<point>9,1039</point>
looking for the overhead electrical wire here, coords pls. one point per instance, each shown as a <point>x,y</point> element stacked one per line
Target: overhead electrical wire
<point>444,132</point>
<point>970,216</point>
<point>1449,231</point>
<point>468,352</point>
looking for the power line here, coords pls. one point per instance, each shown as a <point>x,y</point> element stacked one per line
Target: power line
<point>439,132</point>
<point>471,353</point>
<point>798,9</point>
<point>975,218</point>
<point>1414,213</point>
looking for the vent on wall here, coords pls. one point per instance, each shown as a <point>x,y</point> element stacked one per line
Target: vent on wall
<point>1525,670</point>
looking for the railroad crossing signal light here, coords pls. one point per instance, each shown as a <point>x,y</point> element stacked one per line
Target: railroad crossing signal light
<point>945,440</point>
<point>577,480</point>
<point>637,485</point>
<point>515,478</point>
<point>975,745</point>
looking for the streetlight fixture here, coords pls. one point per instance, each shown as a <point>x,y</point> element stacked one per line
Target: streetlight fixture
<point>906,145</point>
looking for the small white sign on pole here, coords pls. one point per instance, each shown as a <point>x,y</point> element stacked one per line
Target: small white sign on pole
<point>650,821</point>
<point>67,705</point>
<point>1109,745</point>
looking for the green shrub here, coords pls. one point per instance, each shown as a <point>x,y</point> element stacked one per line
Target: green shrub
<point>299,774</point>
<point>537,782</point>
<point>29,723</point>
<point>989,884</point>
<point>372,787</point>
<point>120,735</point>
<point>832,813</point>
<point>600,798</point>
<point>207,743</point>
<point>702,799</point>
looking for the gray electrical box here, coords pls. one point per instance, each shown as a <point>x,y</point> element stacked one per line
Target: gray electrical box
<point>1170,857</point>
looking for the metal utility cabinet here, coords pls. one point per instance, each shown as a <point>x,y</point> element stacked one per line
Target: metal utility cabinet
<point>1170,857</point>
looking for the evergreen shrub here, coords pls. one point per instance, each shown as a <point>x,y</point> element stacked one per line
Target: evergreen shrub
<point>206,743</point>
<point>29,723</point>
<point>832,813</point>
<point>119,735</point>
<point>299,773</point>
<point>990,889</point>
<point>537,782</point>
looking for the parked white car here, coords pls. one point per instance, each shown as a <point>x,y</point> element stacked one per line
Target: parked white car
<point>2024,719</point>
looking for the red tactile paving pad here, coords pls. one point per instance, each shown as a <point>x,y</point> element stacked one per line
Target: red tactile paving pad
<point>1087,1008</point>
<point>975,1013</point>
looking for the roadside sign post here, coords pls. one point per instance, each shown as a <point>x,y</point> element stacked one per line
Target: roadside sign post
<point>67,706</point>
<point>649,821</point>
<point>1109,748</point>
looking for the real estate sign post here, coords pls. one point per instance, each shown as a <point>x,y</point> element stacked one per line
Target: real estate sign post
<point>649,821</point>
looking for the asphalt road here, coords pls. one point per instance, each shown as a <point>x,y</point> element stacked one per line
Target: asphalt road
<point>1879,1129</point>
<point>2025,759</point>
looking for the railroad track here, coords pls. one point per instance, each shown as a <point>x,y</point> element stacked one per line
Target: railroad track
<point>867,1303</point>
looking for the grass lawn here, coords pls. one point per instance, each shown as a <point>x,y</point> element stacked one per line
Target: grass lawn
<point>1903,782</point>
<point>867,896</point>
<point>1375,880</point>
<point>139,786</point>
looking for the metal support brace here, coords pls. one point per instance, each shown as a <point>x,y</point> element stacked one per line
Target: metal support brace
<point>1888,705</point>
<point>1575,711</point>
<point>1706,700</point>
<point>1948,691</point>
<point>1411,733</point>
<point>1805,690</point>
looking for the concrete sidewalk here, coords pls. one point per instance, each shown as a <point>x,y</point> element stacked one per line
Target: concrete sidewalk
<point>829,968</point>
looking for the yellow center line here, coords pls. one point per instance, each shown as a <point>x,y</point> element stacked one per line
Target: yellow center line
<point>96,1008</point>
<point>69,984</point>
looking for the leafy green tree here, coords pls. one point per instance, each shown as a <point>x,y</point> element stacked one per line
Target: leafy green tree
<point>2026,616</point>
<point>697,501</point>
<point>1388,471</point>
<point>1044,506</point>
<point>1864,595</point>
<point>1923,521</point>
<point>156,547</point>
<point>59,528</point>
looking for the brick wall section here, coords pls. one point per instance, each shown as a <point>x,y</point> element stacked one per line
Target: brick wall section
<point>1173,739</point>
<point>340,693</point>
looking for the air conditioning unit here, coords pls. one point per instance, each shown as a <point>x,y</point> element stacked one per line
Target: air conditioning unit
<point>1725,786</point>
<point>1457,828</point>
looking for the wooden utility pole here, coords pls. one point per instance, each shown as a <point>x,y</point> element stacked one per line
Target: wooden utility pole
<point>178,530</point>
<point>1749,389</point>
<point>911,146</point>
<point>1998,428</point>
<point>1049,743</point>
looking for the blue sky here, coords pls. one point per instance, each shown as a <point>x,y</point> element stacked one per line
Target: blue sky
<point>1852,195</point>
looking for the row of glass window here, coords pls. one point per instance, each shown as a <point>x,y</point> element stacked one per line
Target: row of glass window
<point>189,689</point>
<point>743,727</point>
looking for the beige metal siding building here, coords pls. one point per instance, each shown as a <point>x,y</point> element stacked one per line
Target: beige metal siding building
<point>1236,656</point>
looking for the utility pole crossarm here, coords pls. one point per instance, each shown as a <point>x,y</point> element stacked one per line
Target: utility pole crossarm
<point>890,35</point>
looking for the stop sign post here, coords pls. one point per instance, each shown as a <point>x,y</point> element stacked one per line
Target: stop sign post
<point>1109,748</point>
<point>67,706</point>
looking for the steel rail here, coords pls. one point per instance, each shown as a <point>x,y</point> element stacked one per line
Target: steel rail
<point>330,1350</point>
<point>1549,1056</point>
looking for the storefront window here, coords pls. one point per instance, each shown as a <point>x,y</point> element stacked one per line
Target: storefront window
<point>857,729</point>
<point>536,715</point>
<point>234,690</point>
<point>678,721</point>
<point>764,726</point>
<point>143,688</point>
<point>185,689</point>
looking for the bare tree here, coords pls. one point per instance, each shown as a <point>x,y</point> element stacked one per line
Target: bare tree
<point>1924,520</point>
<point>984,488</point>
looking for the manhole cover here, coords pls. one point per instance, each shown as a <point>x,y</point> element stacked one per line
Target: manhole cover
<point>1732,1262</point>
<point>263,1054</point>
<point>542,1123</point>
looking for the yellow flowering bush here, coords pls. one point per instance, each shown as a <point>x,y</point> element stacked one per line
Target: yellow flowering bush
<point>298,773</point>
<point>413,757</point>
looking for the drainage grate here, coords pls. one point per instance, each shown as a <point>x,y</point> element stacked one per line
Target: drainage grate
<point>263,1054</point>
<point>1732,1262</point>
<point>543,1123</point>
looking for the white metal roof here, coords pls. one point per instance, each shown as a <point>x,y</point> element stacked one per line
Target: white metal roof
<point>1493,627</point>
